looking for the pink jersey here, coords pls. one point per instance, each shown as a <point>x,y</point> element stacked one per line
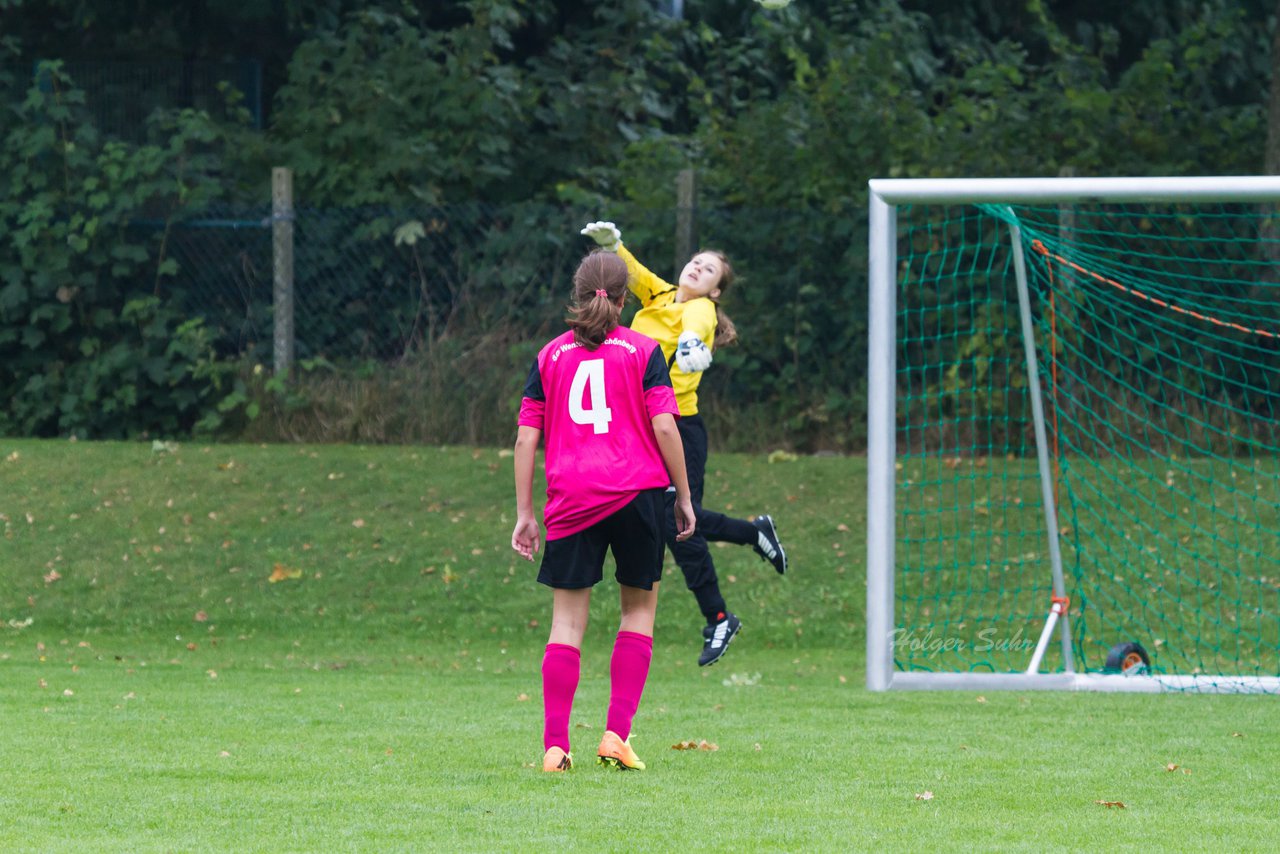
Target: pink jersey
<point>595,411</point>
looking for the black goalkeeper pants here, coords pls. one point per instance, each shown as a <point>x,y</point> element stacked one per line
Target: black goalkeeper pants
<point>692,556</point>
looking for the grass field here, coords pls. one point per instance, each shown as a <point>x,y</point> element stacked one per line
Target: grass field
<point>160,692</point>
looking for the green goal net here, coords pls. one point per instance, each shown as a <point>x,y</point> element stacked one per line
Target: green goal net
<point>1124,458</point>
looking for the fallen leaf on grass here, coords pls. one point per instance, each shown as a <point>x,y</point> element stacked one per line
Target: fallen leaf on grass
<point>1109,804</point>
<point>52,576</point>
<point>280,572</point>
<point>695,745</point>
<point>522,698</point>
<point>924,796</point>
<point>201,617</point>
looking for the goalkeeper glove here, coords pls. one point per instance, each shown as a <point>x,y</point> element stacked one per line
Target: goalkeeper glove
<point>605,234</point>
<point>691,354</point>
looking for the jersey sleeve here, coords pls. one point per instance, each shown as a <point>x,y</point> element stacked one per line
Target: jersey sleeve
<point>534,404</point>
<point>644,284</point>
<point>659,396</point>
<point>700,318</point>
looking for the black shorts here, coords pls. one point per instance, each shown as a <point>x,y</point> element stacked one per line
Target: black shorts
<point>634,533</point>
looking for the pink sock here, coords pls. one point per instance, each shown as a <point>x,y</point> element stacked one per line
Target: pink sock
<point>560,666</point>
<point>628,670</point>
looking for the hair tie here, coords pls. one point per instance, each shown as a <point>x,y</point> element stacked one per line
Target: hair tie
<point>601,292</point>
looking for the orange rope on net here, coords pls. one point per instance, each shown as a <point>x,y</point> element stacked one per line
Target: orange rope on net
<point>1040,247</point>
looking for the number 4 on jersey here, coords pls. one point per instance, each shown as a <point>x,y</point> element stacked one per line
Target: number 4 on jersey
<point>590,373</point>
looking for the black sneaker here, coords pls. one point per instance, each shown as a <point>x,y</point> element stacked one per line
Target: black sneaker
<point>716,639</point>
<point>768,546</point>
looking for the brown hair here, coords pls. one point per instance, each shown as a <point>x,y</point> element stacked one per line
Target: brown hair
<point>726,332</point>
<point>599,286</point>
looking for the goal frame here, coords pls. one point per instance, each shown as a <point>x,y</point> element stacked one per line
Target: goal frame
<point>884,198</point>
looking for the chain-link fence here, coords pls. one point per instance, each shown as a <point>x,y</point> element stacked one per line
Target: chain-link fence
<point>375,284</point>
<point>122,94</point>
<point>468,292</point>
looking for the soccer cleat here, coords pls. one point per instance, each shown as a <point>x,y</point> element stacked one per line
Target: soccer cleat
<point>768,546</point>
<point>557,760</point>
<point>618,753</point>
<point>715,639</point>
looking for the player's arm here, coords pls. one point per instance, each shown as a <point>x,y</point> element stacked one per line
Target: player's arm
<point>640,279</point>
<point>526,537</point>
<point>642,282</point>
<point>672,450</point>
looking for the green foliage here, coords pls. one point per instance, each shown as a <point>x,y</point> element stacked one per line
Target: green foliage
<point>381,111</point>
<point>88,347</point>
<point>422,108</point>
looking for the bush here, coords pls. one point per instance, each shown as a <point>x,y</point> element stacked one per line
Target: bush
<point>88,346</point>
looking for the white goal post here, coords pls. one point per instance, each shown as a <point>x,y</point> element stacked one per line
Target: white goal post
<point>888,468</point>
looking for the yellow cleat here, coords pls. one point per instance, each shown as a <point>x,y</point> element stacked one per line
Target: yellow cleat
<point>618,753</point>
<point>557,760</point>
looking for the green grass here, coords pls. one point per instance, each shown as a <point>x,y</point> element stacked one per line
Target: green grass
<point>388,698</point>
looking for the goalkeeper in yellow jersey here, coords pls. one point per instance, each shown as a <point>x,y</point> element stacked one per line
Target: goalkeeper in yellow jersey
<point>688,324</point>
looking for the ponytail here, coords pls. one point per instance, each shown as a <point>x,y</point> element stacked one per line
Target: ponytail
<point>726,332</point>
<point>599,286</point>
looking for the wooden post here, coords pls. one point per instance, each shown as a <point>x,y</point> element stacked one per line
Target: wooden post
<point>686,225</point>
<point>282,266</point>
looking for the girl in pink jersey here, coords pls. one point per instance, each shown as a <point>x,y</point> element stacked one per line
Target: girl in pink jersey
<point>600,397</point>
<point>686,321</point>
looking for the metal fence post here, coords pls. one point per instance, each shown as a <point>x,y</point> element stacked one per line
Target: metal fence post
<point>686,226</point>
<point>282,267</point>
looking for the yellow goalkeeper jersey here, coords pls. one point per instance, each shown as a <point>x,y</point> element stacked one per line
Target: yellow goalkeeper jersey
<point>663,319</point>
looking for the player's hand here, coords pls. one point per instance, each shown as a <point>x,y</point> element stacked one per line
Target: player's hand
<point>685,519</point>
<point>691,354</point>
<point>605,234</point>
<point>526,539</point>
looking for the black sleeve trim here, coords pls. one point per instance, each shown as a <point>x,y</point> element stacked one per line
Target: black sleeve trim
<point>533,385</point>
<point>656,373</point>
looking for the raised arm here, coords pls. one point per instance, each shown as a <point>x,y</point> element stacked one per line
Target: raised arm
<point>640,280</point>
